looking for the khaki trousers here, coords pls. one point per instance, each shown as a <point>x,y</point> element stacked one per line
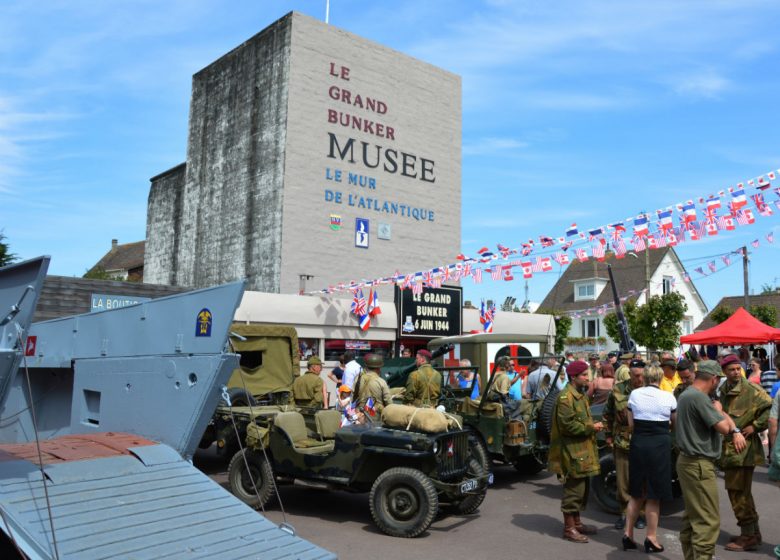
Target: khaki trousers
<point>739,484</point>
<point>701,522</point>
<point>621,478</point>
<point>575,494</point>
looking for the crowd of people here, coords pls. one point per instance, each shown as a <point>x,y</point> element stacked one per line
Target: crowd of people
<point>709,414</point>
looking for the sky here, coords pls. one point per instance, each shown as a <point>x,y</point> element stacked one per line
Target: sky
<point>584,111</point>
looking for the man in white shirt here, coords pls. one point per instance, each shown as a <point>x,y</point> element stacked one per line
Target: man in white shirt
<point>351,370</point>
<point>536,387</point>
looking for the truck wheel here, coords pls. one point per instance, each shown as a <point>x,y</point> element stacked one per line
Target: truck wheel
<point>604,485</point>
<point>260,471</point>
<point>544,425</point>
<point>403,502</point>
<point>470,503</point>
<point>528,465</point>
<point>478,451</point>
<point>239,397</point>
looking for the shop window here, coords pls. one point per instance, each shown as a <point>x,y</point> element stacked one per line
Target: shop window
<point>335,348</point>
<point>308,347</point>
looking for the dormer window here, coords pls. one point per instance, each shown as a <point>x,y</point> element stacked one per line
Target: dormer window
<point>586,291</point>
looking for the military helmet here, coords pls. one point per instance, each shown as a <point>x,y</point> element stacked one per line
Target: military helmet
<point>314,361</point>
<point>374,361</point>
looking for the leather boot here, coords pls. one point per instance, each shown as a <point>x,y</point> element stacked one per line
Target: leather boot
<point>743,543</point>
<point>570,532</point>
<point>582,528</point>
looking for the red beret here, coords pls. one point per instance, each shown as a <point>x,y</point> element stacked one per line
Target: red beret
<point>729,359</point>
<point>576,368</point>
<point>424,353</point>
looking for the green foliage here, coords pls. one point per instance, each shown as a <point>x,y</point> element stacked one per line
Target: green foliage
<point>767,288</point>
<point>611,321</point>
<point>562,328</point>
<point>6,256</point>
<point>99,273</point>
<point>585,341</point>
<point>765,313</point>
<point>721,313</point>
<point>657,323</point>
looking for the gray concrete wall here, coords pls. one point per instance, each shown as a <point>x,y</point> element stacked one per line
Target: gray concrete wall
<point>232,204</point>
<point>423,108</point>
<point>163,225</point>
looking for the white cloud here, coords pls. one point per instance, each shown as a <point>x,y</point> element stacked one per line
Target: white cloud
<point>708,84</point>
<point>484,146</point>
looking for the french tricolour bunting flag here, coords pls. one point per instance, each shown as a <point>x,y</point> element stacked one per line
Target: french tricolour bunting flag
<point>572,231</point>
<point>373,304</point>
<point>689,212</point>
<point>665,220</point>
<point>582,256</point>
<point>486,317</point>
<point>738,199</point>
<point>713,203</point>
<point>640,225</point>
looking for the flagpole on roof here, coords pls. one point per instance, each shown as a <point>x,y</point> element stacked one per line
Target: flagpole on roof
<point>745,277</point>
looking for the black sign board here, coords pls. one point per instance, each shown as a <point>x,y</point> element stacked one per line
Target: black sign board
<point>434,312</point>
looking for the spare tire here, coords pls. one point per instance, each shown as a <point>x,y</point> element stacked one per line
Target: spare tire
<point>239,397</point>
<point>544,424</point>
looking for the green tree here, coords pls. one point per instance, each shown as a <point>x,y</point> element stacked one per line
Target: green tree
<point>6,256</point>
<point>765,313</point>
<point>99,273</point>
<point>611,321</point>
<point>767,288</point>
<point>562,328</point>
<point>657,323</point>
<point>721,313</point>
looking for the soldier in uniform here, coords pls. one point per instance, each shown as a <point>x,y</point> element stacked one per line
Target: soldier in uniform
<point>618,435</point>
<point>594,366</point>
<point>423,385</point>
<point>371,385</point>
<point>699,428</point>
<point>573,453</point>
<point>309,389</point>
<point>622,373</point>
<point>686,373</point>
<point>748,405</point>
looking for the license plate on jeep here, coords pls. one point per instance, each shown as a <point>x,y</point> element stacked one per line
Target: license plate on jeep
<point>469,485</point>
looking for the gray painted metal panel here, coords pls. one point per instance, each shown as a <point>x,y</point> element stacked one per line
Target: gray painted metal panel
<point>161,511</point>
<point>20,287</point>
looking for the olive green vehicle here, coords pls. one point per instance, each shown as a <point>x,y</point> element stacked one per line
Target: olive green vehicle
<point>408,475</point>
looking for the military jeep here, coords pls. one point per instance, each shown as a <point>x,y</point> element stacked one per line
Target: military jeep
<point>408,475</point>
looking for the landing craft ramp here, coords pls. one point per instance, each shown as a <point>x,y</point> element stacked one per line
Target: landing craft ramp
<point>121,399</point>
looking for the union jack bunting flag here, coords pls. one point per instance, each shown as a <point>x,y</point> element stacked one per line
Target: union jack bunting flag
<point>700,270</point>
<point>726,260</point>
<point>755,243</point>
<point>712,266</point>
<point>770,237</point>
<point>686,277</point>
<point>546,241</point>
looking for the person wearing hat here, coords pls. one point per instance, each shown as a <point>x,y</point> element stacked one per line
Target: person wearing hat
<point>573,453</point>
<point>370,385</point>
<point>618,436</point>
<point>309,389</point>
<point>622,373</point>
<point>671,379</point>
<point>699,431</point>
<point>685,371</point>
<point>424,384</point>
<point>594,366</point>
<point>748,405</point>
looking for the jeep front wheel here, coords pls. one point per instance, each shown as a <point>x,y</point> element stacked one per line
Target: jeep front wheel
<point>472,501</point>
<point>604,484</point>
<point>403,502</point>
<point>259,477</point>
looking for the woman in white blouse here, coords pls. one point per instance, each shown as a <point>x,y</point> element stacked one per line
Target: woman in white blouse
<point>651,415</point>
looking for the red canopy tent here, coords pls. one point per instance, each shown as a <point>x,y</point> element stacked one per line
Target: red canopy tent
<point>740,328</point>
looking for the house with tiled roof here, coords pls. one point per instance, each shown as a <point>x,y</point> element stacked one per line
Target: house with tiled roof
<point>123,262</point>
<point>584,292</point>
<point>735,302</point>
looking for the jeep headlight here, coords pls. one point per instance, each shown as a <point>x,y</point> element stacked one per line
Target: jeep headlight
<point>435,447</point>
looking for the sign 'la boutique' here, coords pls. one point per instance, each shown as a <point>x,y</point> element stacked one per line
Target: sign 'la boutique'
<point>432,313</point>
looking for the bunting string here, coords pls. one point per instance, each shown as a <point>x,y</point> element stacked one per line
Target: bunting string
<point>696,219</point>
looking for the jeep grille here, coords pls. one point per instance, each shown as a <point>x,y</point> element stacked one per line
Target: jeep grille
<point>453,455</point>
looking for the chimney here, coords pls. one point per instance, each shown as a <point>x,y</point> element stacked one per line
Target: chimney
<point>114,243</point>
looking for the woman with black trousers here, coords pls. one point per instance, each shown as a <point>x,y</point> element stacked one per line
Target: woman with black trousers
<point>651,415</point>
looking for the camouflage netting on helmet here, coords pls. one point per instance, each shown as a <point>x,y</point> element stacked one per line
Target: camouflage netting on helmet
<point>427,420</point>
<point>257,436</point>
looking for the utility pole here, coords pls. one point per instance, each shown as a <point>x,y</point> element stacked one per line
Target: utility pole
<point>745,275</point>
<point>647,273</point>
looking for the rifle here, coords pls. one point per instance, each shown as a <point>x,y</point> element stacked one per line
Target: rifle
<point>626,344</point>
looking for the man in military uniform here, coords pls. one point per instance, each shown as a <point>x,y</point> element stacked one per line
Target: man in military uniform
<point>573,453</point>
<point>618,435</point>
<point>700,426</point>
<point>748,405</point>
<point>686,373</point>
<point>423,385</point>
<point>371,385</point>
<point>594,366</point>
<point>309,389</point>
<point>622,373</point>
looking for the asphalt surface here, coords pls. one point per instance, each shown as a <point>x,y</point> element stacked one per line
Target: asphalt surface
<point>520,518</point>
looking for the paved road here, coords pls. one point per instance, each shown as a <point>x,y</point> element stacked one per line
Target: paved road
<point>520,518</point>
